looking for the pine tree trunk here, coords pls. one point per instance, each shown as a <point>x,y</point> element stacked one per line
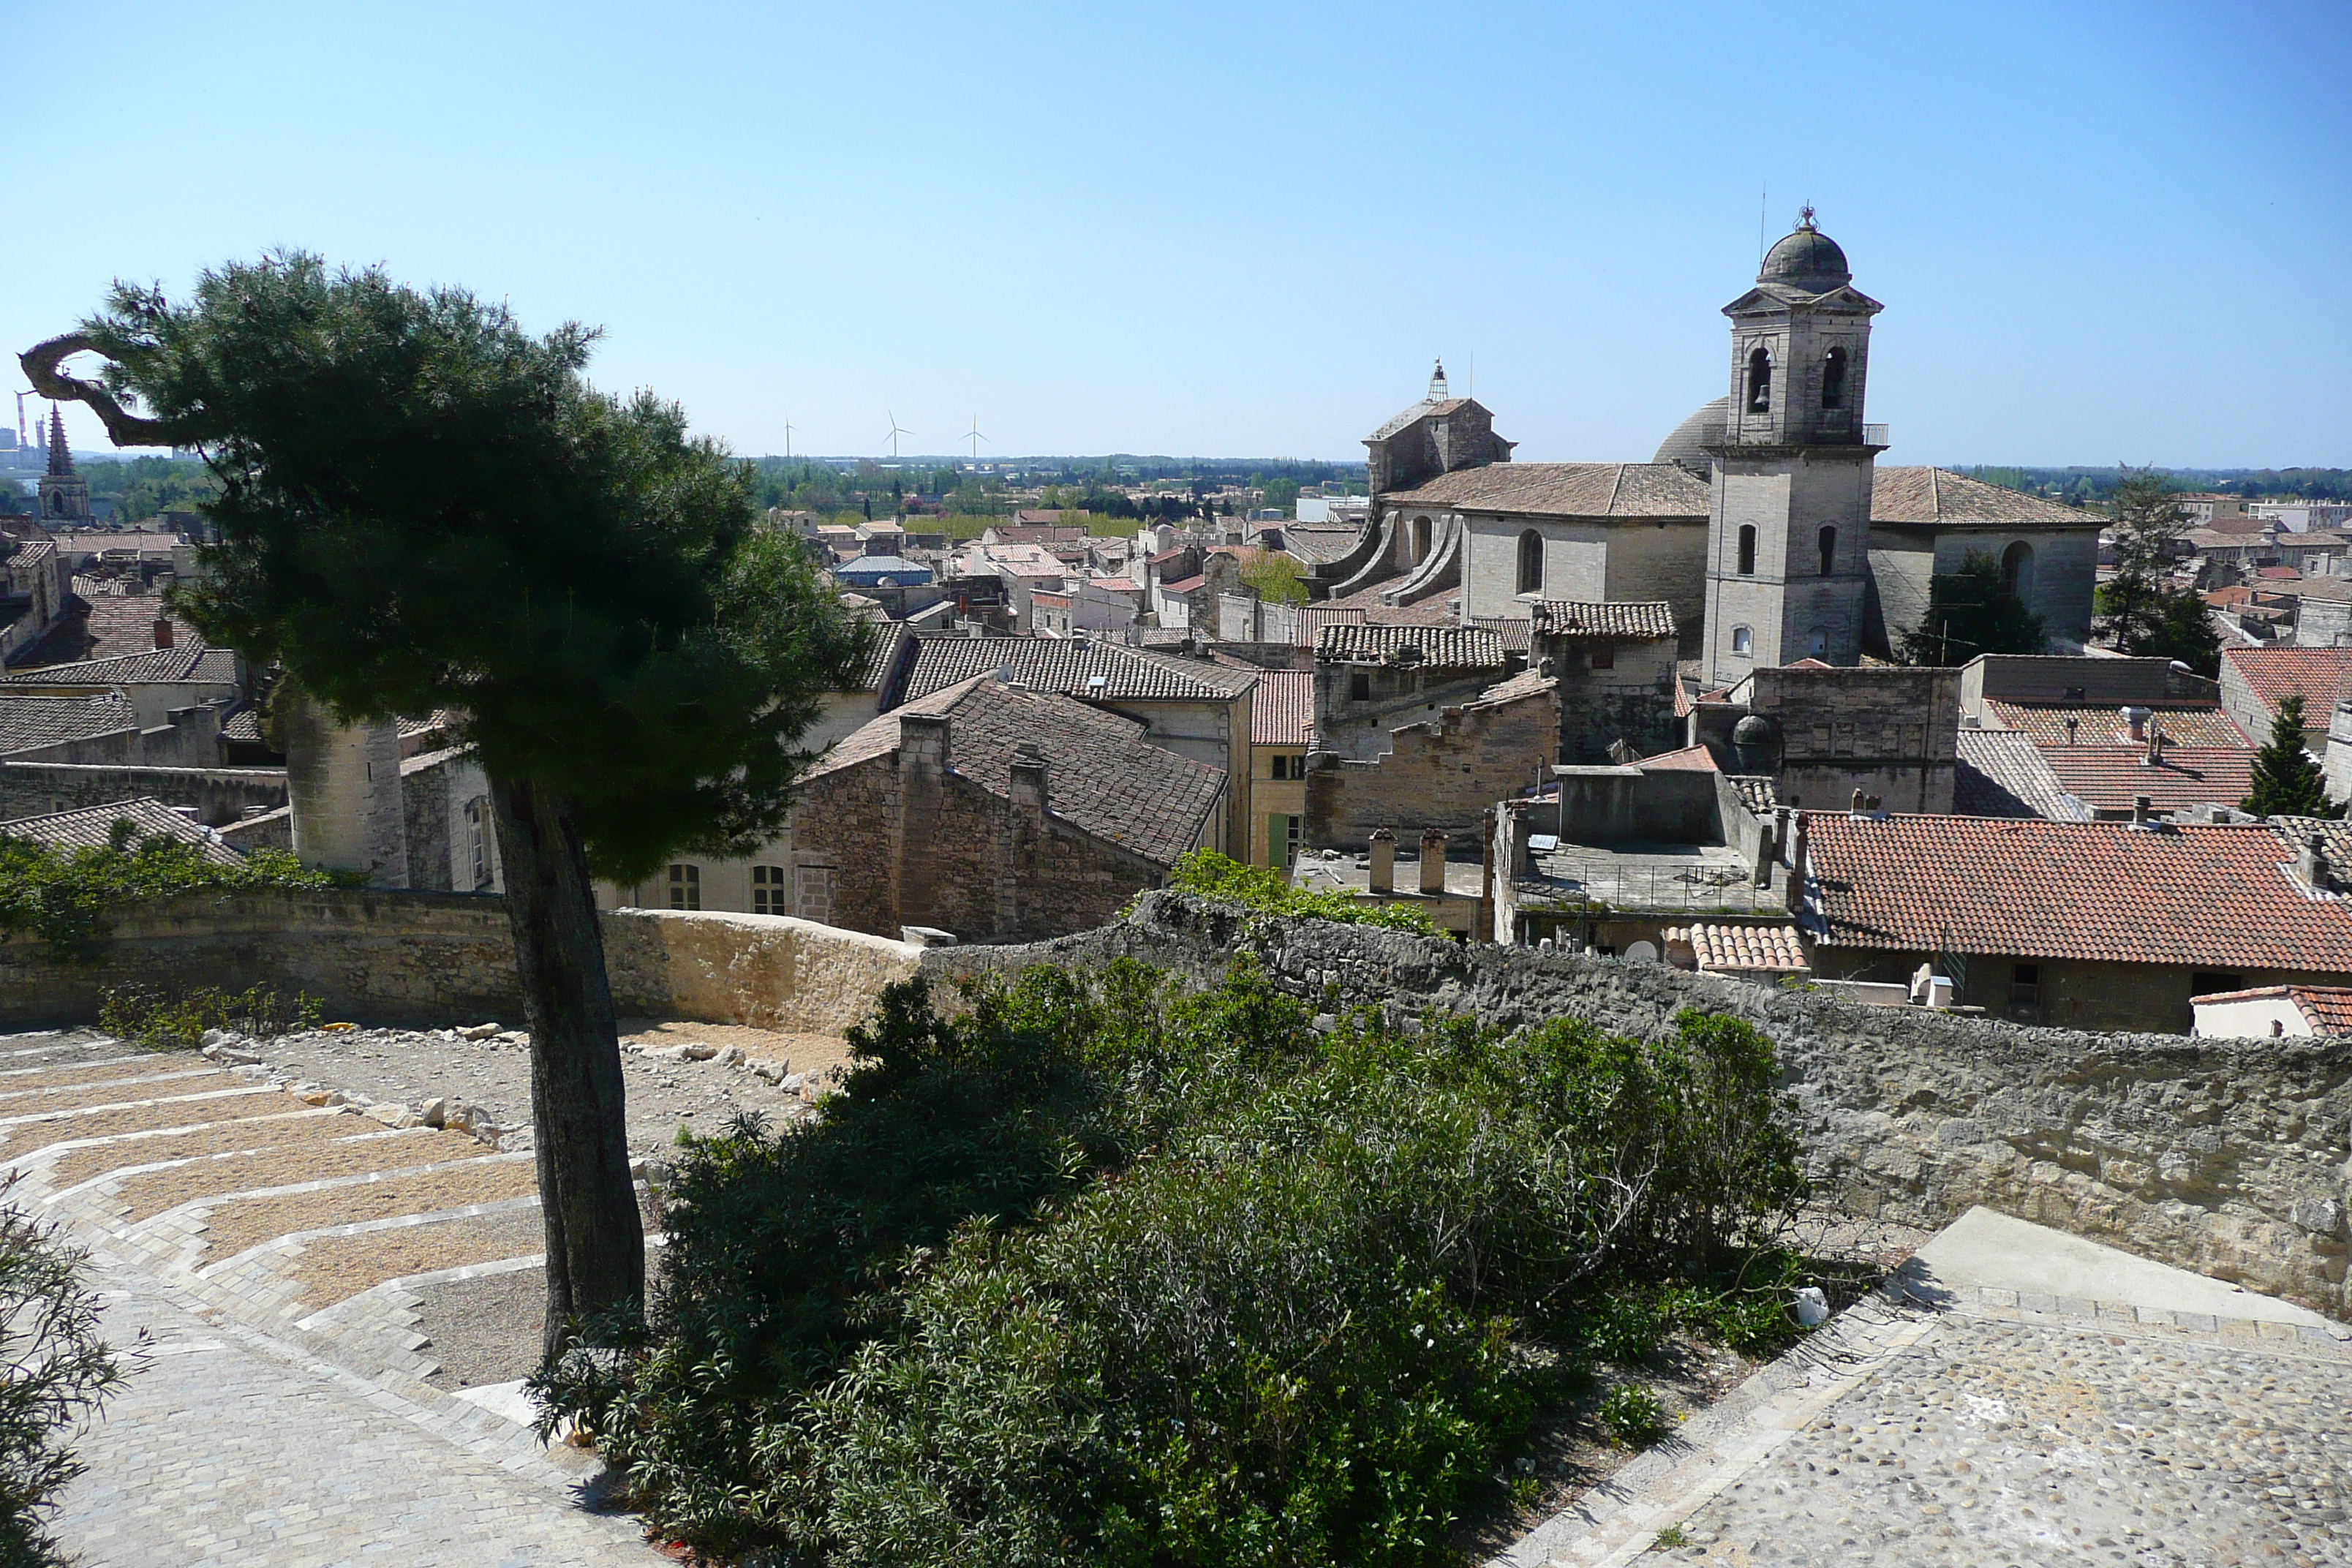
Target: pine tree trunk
<point>595,1241</point>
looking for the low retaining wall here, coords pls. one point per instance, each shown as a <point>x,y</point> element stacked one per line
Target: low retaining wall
<point>437,958</point>
<point>2224,1156</point>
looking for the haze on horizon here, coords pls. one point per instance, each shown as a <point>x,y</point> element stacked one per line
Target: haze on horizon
<point>2101,231</point>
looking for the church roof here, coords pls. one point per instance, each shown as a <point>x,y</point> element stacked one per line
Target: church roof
<point>1565,489</point>
<point>1420,411</point>
<point>1651,621</point>
<point>1806,258</point>
<point>1937,498</point>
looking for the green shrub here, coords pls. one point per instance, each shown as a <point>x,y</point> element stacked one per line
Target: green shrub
<point>161,1022</point>
<point>65,897</point>
<point>1098,1273</point>
<point>1221,879</point>
<point>1633,1416</point>
<point>59,1372</point>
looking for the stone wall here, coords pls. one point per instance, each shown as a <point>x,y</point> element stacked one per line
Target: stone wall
<point>382,957</point>
<point>1447,773</point>
<point>2226,1157</point>
<point>219,794</point>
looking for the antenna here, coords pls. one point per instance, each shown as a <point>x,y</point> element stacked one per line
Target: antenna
<point>1474,375</point>
<point>897,430</point>
<point>1763,204</point>
<point>975,438</point>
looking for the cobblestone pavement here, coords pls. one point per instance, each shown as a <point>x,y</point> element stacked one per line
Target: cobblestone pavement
<point>232,1448</point>
<point>1987,1431</point>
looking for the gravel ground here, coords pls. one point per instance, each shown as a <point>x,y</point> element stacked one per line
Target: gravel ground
<point>335,1268</point>
<point>411,1068</point>
<point>232,1227</point>
<point>152,1192</point>
<point>288,1132</point>
<point>485,1329</point>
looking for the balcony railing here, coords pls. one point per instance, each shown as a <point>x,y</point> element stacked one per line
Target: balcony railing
<point>1875,435</point>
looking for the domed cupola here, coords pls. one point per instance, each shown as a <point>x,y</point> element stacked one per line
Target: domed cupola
<point>1806,258</point>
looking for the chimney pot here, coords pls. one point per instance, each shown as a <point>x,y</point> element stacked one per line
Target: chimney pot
<point>2311,864</point>
<point>2140,804</point>
<point>1858,807</point>
<point>1432,861</point>
<point>2137,719</point>
<point>1383,879</point>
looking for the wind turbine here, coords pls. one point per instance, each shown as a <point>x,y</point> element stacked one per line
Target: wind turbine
<point>975,438</point>
<point>789,428</point>
<point>897,430</point>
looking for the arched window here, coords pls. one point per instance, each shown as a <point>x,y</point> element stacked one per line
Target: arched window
<point>1748,550</point>
<point>1419,540</point>
<point>1828,549</point>
<point>1530,562</point>
<point>2017,569</point>
<point>1818,645</point>
<point>1833,379</point>
<point>1759,382</point>
<point>1743,641</point>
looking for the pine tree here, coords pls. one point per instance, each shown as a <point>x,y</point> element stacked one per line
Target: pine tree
<point>2287,781</point>
<point>1971,611</point>
<point>422,507</point>
<point>2139,610</point>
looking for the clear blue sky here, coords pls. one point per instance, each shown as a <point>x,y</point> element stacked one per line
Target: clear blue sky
<point>2101,231</point>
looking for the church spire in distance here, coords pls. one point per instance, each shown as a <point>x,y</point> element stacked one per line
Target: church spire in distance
<point>1438,392</point>
<point>60,460</point>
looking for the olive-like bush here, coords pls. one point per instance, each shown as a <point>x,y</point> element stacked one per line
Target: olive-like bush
<point>1098,1273</point>
<point>1264,890</point>
<point>68,896</point>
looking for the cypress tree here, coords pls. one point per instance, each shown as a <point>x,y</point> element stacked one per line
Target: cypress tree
<point>2287,781</point>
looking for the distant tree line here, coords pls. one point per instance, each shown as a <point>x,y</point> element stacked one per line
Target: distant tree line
<point>2086,487</point>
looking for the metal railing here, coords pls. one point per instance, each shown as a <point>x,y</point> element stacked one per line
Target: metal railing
<point>1568,884</point>
<point>1875,435</point>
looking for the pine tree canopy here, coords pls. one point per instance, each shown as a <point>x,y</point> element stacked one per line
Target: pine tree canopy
<point>1970,612</point>
<point>424,506</point>
<point>2288,781</point>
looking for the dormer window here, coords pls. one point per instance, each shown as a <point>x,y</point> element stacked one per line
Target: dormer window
<point>1759,382</point>
<point>1833,379</point>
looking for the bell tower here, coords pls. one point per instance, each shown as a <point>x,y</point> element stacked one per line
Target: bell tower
<point>1788,564</point>
<point>64,494</point>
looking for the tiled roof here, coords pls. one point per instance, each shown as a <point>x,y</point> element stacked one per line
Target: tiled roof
<point>2327,1009</point>
<point>2046,724</point>
<point>1564,489</point>
<point>1070,667</point>
<point>245,724</point>
<point>889,639</point>
<point>1419,411</point>
<point>28,721</point>
<point>1756,793</point>
<point>1438,610</point>
<point>1526,683</point>
<point>171,664</point>
<point>1432,648</point>
<point>2210,896</point>
<point>2272,674</point>
<point>91,828</point>
<point>1099,772</point>
<point>2002,775</point>
<point>1940,498</point>
<point>2109,778</point>
<point>1690,759</point>
<point>1745,948</point>
<point>2335,842</point>
<point>1316,544</point>
<point>1516,632</point>
<point>1651,621</point>
<point>1283,711</point>
<point>1183,584</point>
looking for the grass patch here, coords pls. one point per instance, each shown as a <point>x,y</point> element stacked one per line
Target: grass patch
<point>1221,879</point>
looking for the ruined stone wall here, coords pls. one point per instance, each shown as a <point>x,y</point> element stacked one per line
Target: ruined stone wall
<point>2226,1157</point>
<point>219,794</point>
<point>1444,774</point>
<point>382,957</point>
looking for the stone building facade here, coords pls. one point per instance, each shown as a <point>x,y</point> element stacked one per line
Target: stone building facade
<point>1372,679</point>
<point>1821,734</point>
<point>1445,772</point>
<point>1615,667</point>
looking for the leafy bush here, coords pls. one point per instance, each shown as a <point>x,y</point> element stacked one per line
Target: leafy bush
<point>1098,1273</point>
<point>1633,1416</point>
<point>163,1023</point>
<point>59,1372</point>
<point>1225,880</point>
<point>65,895</point>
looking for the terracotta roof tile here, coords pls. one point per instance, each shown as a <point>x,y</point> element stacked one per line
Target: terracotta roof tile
<point>2002,775</point>
<point>1744,949</point>
<point>30,721</point>
<point>1564,489</point>
<point>1650,621</point>
<point>2046,724</point>
<point>1071,667</point>
<point>1282,713</point>
<point>1690,759</point>
<point>2327,1009</point>
<point>172,664</point>
<point>1939,497</point>
<point>1432,647</point>
<point>2109,778</point>
<point>1100,774</point>
<point>2176,894</point>
<point>2272,674</point>
<point>1516,632</point>
<point>91,828</point>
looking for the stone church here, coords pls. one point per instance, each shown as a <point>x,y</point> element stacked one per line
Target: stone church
<point>1763,520</point>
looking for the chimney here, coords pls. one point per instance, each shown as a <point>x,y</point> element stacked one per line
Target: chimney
<point>1432,862</point>
<point>2071,725</point>
<point>2140,804</point>
<point>2137,719</point>
<point>2311,864</point>
<point>1028,785</point>
<point>2154,755</point>
<point>1860,803</point>
<point>163,632</point>
<point>1383,880</point>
